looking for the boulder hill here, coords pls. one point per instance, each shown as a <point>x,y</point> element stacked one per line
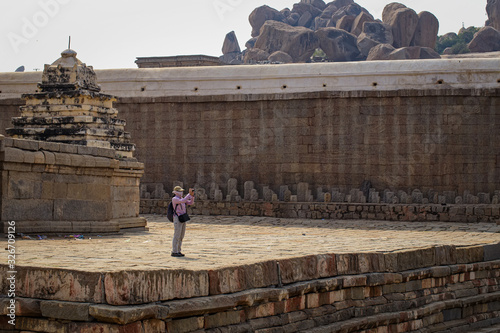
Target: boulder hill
<point>345,31</point>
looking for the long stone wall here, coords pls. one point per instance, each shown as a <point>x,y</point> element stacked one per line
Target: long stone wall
<point>281,79</point>
<point>427,125</point>
<point>427,290</point>
<point>439,140</point>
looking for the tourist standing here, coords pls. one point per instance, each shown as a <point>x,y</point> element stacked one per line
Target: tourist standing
<point>179,203</point>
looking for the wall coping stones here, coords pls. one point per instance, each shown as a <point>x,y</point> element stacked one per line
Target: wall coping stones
<point>493,91</point>
<point>286,78</point>
<point>448,91</point>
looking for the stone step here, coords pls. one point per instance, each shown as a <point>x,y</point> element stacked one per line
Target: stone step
<point>137,222</point>
<point>491,329</point>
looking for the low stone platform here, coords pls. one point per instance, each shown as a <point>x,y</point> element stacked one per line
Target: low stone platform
<point>214,242</point>
<point>51,188</point>
<point>255,274</point>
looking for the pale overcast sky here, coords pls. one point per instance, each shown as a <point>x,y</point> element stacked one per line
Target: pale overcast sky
<point>112,33</point>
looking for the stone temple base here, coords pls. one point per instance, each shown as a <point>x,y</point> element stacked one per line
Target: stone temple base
<point>60,188</point>
<point>81,227</point>
<point>433,289</point>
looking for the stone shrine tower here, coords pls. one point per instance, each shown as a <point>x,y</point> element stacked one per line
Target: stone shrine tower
<point>71,109</point>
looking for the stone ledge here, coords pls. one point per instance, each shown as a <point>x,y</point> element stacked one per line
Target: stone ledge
<point>13,147</point>
<point>344,270</point>
<point>19,151</point>
<point>50,227</point>
<point>56,284</point>
<point>141,287</point>
<point>65,310</point>
<point>123,315</point>
<point>350,76</point>
<point>310,95</point>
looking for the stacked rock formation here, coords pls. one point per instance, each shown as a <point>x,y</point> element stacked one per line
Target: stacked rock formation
<point>493,10</point>
<point>71,109</point>
<point>488,38</point>
<point>342,29</point>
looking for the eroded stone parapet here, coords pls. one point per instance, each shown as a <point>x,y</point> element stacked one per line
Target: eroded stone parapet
<point>56,284</point>
<point>234,279</point>
<point>138,287</point>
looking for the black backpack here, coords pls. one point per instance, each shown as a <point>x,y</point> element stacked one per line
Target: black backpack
<point>170,212</point>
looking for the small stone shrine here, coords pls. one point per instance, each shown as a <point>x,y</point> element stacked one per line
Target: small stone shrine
<point>68,165</point>
<point>71,109</point>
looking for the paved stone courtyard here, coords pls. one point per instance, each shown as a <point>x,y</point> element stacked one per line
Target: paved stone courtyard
<point>219,241</point>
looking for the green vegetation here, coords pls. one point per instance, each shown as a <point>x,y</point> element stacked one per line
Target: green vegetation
<point>458,43</point>
<point>319,53</point>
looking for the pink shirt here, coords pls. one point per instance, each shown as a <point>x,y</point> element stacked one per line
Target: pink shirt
<point>181,203</point>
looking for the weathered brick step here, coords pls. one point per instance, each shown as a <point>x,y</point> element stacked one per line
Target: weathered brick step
<point>491,329</point>
<point>420,319</point>
<point>136,222</point>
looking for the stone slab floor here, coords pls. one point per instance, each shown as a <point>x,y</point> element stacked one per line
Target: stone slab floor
<point>219,241</point>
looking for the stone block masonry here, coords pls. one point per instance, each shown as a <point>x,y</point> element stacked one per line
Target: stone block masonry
<point>431,289</point>
<point>401,125</point>
<point>486,213</point>
<point>397,140</point>
<point>52,188</point>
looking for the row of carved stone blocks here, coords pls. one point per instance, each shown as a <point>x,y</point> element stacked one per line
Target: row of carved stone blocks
<point>339,211</point>
<point>365,194</point>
